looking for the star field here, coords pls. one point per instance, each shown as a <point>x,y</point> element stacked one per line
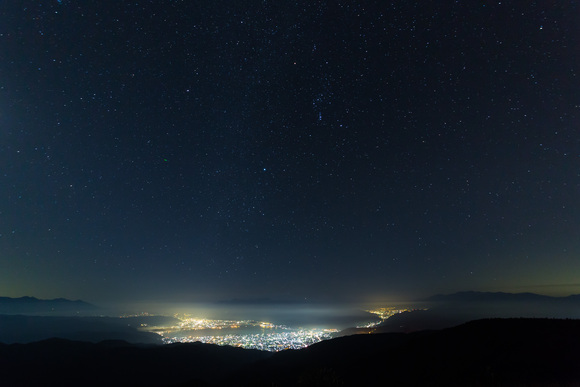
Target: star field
<point>176,150</point>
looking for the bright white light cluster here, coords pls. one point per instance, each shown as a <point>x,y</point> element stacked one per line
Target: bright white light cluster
<point>275,341</point>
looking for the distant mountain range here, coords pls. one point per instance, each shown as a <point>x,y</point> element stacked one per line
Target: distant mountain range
<point>498,297</point>
<point>35,306</point>
<point>492,352</point>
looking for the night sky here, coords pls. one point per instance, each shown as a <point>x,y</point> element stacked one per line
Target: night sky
<point>313,150</point>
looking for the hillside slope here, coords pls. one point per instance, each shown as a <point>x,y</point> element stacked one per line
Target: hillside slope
<point>494,352</point>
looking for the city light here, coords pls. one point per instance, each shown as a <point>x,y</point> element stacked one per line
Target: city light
<point>252,334</point>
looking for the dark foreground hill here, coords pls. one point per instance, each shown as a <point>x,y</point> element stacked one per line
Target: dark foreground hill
<point>59,362</point>
<point>498,352</point>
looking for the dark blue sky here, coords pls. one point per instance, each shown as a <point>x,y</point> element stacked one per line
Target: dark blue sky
<point>346,151</point>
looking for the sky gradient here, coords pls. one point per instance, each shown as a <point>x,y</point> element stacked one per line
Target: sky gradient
<point>325,151</point>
